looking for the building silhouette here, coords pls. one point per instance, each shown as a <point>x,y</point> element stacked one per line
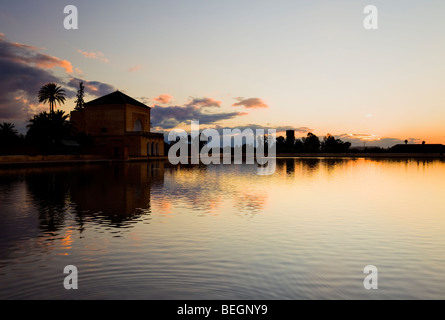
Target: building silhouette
<point>418,148</point>
<point>119,126</point>
<point>290,136</point>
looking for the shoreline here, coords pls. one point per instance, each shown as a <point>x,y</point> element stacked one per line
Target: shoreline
<point>43,160</point>
<point>14,160</point>
<point>363,155</point>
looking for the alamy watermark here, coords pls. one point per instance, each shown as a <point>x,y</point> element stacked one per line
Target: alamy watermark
<point>71,20</point>
<point>205,147</point>
<point>71,280</point>
<point>371,280</point>
<point>371,21</point>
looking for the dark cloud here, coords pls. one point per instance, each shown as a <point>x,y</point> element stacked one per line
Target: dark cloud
<point>279,129</point>
<point>298,130</point>
<point>94,88</point>
<point>144,100</point>
<point>22,54</point>
<point>204,102</point>
<point>173,116</point>
<point>23,72</point>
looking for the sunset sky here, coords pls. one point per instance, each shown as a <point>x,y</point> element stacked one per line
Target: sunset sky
<point>306,65</point>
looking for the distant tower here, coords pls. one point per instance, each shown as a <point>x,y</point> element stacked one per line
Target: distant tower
<point>290,136</point>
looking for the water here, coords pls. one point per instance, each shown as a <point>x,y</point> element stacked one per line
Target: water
<point>154,231</point>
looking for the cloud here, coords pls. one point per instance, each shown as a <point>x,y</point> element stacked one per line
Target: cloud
<point>135,68</point>
<point>279,129</point>
<point>18,108</point>
<point>94,88</point>
<point>173,116</point>
<point>22,54</point>
<point>196,109</point>
<point>144,100</point>
<point>360,139</point>
<point>163,98</point>
<point>204,102</point>
<point>78,71</point>
<point>360,136</point>
<point>253,103</point>
<point>94,55</point>
<point>300,130</point>
<point>24,70</point>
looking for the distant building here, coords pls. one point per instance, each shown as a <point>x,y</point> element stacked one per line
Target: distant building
<point>418,148</point>
<point>119,126</point>
<point>290,135</point>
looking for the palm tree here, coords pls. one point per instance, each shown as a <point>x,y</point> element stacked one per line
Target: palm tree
<point>7,128</point>
<point>47,129</point>
<point>52,94</point>
<point>8,134</point>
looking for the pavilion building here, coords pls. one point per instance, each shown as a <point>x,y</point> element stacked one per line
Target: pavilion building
<point>119,126</point>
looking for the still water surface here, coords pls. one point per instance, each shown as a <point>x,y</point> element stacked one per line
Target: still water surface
<point>153,231</point>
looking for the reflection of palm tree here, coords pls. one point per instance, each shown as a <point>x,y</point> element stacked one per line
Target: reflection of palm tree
<point>49,192</point>
<point>52,94</point>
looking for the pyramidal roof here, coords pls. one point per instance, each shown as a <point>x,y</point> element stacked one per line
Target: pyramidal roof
<point>116,97</point>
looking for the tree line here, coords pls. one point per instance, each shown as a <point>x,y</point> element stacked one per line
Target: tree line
<point>46,131</point>
<point>311,144</point>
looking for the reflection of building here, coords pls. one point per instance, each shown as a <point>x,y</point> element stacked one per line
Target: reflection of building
<point>120,126</point>
<point>108,194</point>
<point>116,193</point>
